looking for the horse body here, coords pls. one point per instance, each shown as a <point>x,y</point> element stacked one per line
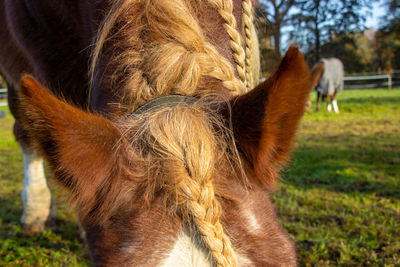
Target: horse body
<point>42,38</point>
<point>180,185</point>
<point>328,81</point>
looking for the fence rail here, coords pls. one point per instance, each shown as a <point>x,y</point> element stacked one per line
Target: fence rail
<point>371,77</point>
<point>355,81</point>
<point>351,81</point>
<point>3,91</point>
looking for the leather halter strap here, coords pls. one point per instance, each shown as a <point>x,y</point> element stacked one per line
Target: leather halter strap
<point>163,102</point>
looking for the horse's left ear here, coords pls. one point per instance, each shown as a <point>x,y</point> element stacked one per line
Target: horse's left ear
<point>265,119</point>
<point>78,145</point>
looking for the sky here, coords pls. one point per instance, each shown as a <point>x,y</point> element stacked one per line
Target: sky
<point>378,11</point>
<point>372,21</point>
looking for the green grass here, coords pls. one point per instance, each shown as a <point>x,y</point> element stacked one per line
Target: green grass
<point>60,244</point>
<point>339,198</point>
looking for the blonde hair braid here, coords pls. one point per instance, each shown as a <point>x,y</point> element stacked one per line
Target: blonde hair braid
<point>184,157</point>
<point>206,210</point>
<point>174,58</point>
<point>248,26</point>
<point>225,9</point>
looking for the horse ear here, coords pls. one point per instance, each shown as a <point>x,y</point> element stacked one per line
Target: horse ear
<point>265,119</point>
<point>78,145</point>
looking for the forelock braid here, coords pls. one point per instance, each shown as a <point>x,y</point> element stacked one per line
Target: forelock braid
<point>192,170</point>
<point>187,154</point>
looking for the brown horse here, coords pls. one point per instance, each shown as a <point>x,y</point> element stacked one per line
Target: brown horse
<point>150,120</point>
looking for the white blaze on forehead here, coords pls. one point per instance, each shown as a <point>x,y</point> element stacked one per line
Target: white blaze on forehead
<point>36,195</point>
<point>186,252</point>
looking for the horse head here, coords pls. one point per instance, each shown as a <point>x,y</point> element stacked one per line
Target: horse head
<point>185,163</point>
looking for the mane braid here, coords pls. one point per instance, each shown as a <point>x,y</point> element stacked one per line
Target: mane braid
<point>247,18</point>
<point>162,51</point>
<point>225,9</point>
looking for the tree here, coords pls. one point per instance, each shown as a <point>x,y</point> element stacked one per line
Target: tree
<point>393,10</point>
<point>355,50</point>
<point>317,20</point>
<point>277,12</point>
<point>388,37</point>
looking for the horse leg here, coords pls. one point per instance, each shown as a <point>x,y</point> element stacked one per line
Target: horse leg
<point>308,104</point>
<point>329,107</point>
<point>36,196</point>
<point>318,101</point>
<point>334,103</point>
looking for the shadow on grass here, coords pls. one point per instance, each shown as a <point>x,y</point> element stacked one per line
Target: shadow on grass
<point>60,234</point>
<point>359,225</point>
<point>353,170</point>
<point>10,211</point>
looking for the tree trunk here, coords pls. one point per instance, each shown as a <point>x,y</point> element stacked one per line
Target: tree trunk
<point>317,44</point>
<point>277,39</point>
<point>317,32</point>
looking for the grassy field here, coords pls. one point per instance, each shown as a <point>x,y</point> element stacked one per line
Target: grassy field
<point>339,198</point>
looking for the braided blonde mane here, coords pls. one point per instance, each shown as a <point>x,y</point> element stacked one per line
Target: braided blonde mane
<point>161,49</point>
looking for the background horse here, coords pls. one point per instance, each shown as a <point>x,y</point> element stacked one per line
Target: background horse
<point>157,180</point>
<point>328,81</point>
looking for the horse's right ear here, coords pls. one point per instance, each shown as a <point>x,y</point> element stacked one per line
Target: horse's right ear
<point>79,146</point>
<point>265,119</point>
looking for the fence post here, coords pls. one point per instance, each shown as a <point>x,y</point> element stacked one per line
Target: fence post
<point>390,81</point>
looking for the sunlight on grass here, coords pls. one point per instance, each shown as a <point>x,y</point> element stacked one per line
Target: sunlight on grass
<point>339,197</point>
<point>60,245</point>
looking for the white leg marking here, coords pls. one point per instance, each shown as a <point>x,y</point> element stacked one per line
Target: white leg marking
<point>36,195</point>
<point>335,106</point>
<point>187,253</point>
<point>329,108</point>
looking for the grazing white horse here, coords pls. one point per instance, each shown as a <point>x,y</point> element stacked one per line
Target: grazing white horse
<point>328,81</point>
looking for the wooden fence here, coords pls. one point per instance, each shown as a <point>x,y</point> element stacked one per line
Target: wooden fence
<point>372,80</point>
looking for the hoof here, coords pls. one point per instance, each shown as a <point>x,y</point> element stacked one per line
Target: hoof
<point>32,229</point>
